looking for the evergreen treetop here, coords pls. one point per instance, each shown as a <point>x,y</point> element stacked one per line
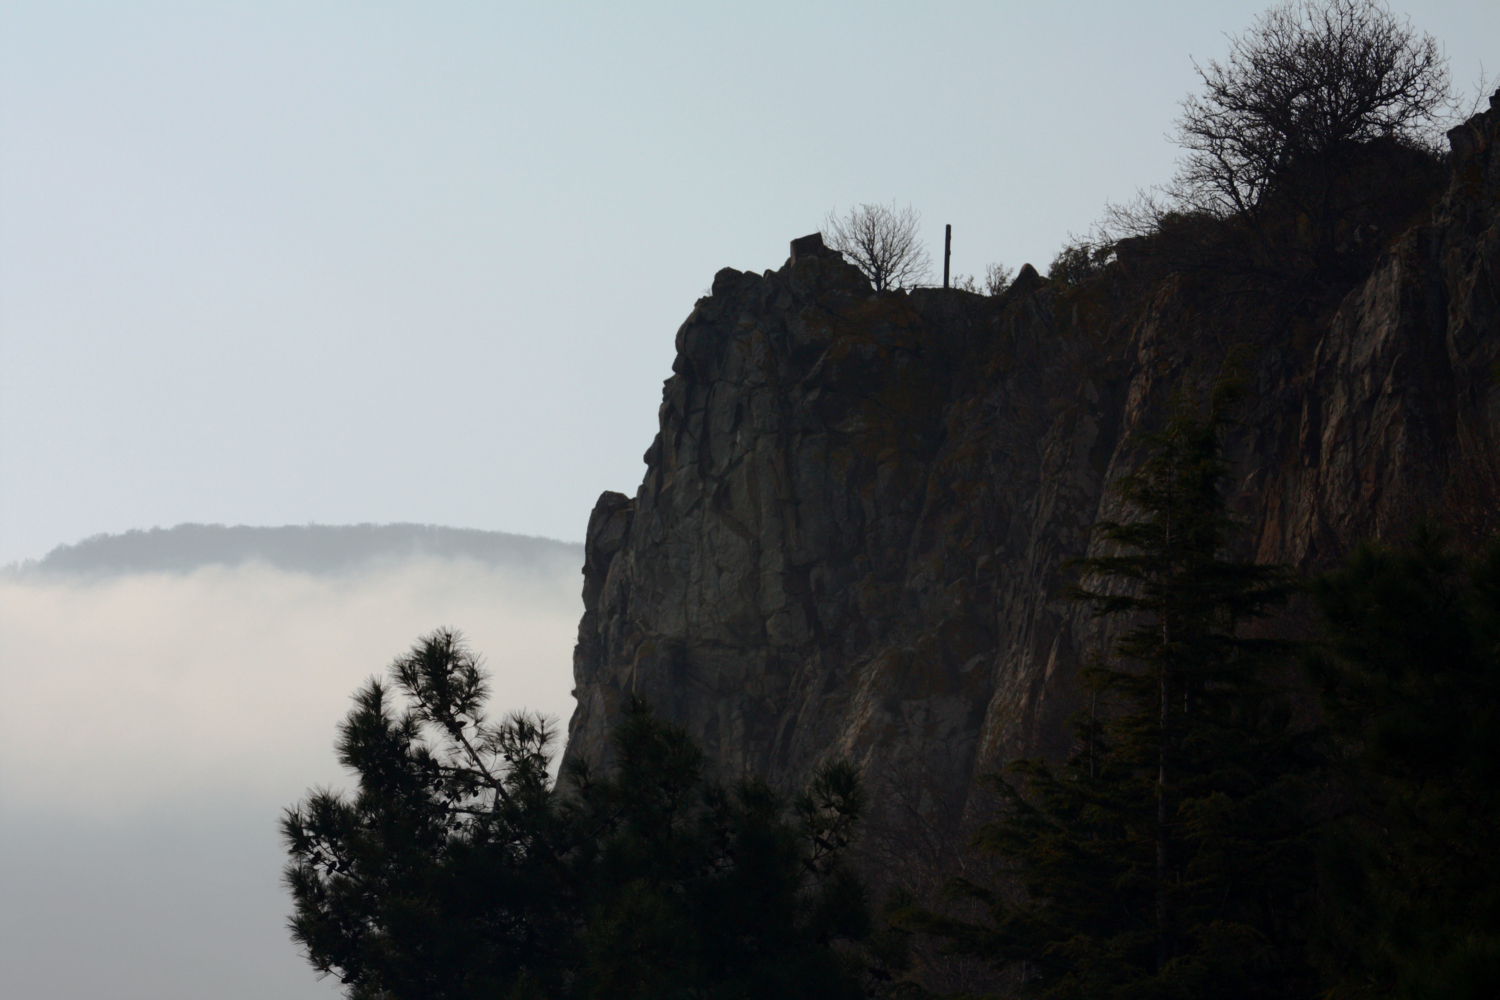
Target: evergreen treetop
<point>458,869</point>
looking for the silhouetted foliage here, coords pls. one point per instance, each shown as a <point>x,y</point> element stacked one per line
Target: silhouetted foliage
<point>1308,150</point>
<point>1078,262</point>
<point>458,870</point>
<point>883,242</point>
<point>1314,81</point>
<point>1411,686</point>
<point>997,278</point>
<point>1171,854</point>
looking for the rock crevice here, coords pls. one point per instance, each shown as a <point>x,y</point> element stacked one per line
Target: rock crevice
<point>852,535</point>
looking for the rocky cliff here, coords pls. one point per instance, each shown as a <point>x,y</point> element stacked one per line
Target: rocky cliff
<point>852,533</point>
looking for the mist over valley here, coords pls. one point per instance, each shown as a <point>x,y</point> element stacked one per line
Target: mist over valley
<point>165,693</point>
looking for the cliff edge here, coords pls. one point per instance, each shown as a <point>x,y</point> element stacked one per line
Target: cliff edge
<point>852,533</point>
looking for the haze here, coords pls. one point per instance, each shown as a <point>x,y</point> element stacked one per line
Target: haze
<point>154,722</point>
<point>276,263</point>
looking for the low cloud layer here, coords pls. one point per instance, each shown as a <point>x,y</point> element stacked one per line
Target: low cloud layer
<point>152,725</point>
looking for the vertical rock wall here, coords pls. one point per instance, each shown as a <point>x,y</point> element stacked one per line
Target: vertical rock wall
<point>852,533</point>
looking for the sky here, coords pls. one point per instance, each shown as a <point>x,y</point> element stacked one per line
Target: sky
<point>290,262</point>
<point>282,262</point>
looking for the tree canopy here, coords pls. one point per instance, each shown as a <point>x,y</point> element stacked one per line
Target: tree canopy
<point>883,242</point>
<point>1312,80</point>
<point>1307,149</point>
<point>458,869</point>
<point>1197,843</point>
<point>1410,679</point>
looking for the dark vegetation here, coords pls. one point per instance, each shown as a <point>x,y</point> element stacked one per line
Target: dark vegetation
<point>1197,842</point>
<point>1240,815</point>
<point>1410,677</point>
<point>1316,136</point>
<point>883,242</point>
<point>459,869</point>
<point>1172,852</point>
<point>1308,152</point>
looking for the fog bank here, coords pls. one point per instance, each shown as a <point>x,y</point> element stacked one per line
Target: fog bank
<point>152,726</point>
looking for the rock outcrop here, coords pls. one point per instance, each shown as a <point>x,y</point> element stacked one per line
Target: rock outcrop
<point>853,531</point>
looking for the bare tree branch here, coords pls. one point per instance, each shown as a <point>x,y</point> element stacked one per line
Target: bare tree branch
<point>882,242</point>
<point>1312,80</point>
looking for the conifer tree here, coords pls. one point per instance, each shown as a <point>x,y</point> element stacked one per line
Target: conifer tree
<point>459,871</point>
<point>1170,854</point>
<point>1411,688</point>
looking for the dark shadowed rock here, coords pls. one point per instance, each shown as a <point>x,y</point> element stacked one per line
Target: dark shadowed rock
<point>853,533</point>
<point>810,246</point>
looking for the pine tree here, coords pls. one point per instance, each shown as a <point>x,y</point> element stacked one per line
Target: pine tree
<point>1411,688</point>
<point>1170,854</point>
<point>459,870</point>
<point>444,875</point>
<point>707,891</point>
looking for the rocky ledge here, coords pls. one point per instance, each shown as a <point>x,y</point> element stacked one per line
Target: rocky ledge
<point>852,533</point>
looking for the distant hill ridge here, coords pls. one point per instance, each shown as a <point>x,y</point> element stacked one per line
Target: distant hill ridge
<point>310,548</point>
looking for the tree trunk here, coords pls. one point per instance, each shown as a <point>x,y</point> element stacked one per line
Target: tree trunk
<point>1161,775</point>
<point>1161,825</point>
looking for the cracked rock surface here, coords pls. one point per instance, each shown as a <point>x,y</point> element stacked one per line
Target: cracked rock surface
<point>853,532</point>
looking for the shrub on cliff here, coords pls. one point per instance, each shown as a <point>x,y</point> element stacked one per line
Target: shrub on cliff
<point>458,870</point>
<point>1079,261</point>
<point>1312,82</point>
<point>1311,146</point>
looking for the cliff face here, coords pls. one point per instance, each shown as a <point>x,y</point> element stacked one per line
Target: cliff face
<point>851,536</point>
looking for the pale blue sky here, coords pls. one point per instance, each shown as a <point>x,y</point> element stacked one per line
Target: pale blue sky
<point>288,262</point>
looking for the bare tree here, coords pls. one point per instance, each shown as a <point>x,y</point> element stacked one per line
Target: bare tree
<point>1311,82</point>
<point>882,242</point>
<point>997,278</point>
<point>1311,144</point>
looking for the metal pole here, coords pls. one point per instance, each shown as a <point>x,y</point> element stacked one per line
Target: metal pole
<point>947,252</point>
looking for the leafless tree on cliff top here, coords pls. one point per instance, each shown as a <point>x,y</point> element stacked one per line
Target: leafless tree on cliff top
<point>1311,81</point>
<point>882,242</point>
